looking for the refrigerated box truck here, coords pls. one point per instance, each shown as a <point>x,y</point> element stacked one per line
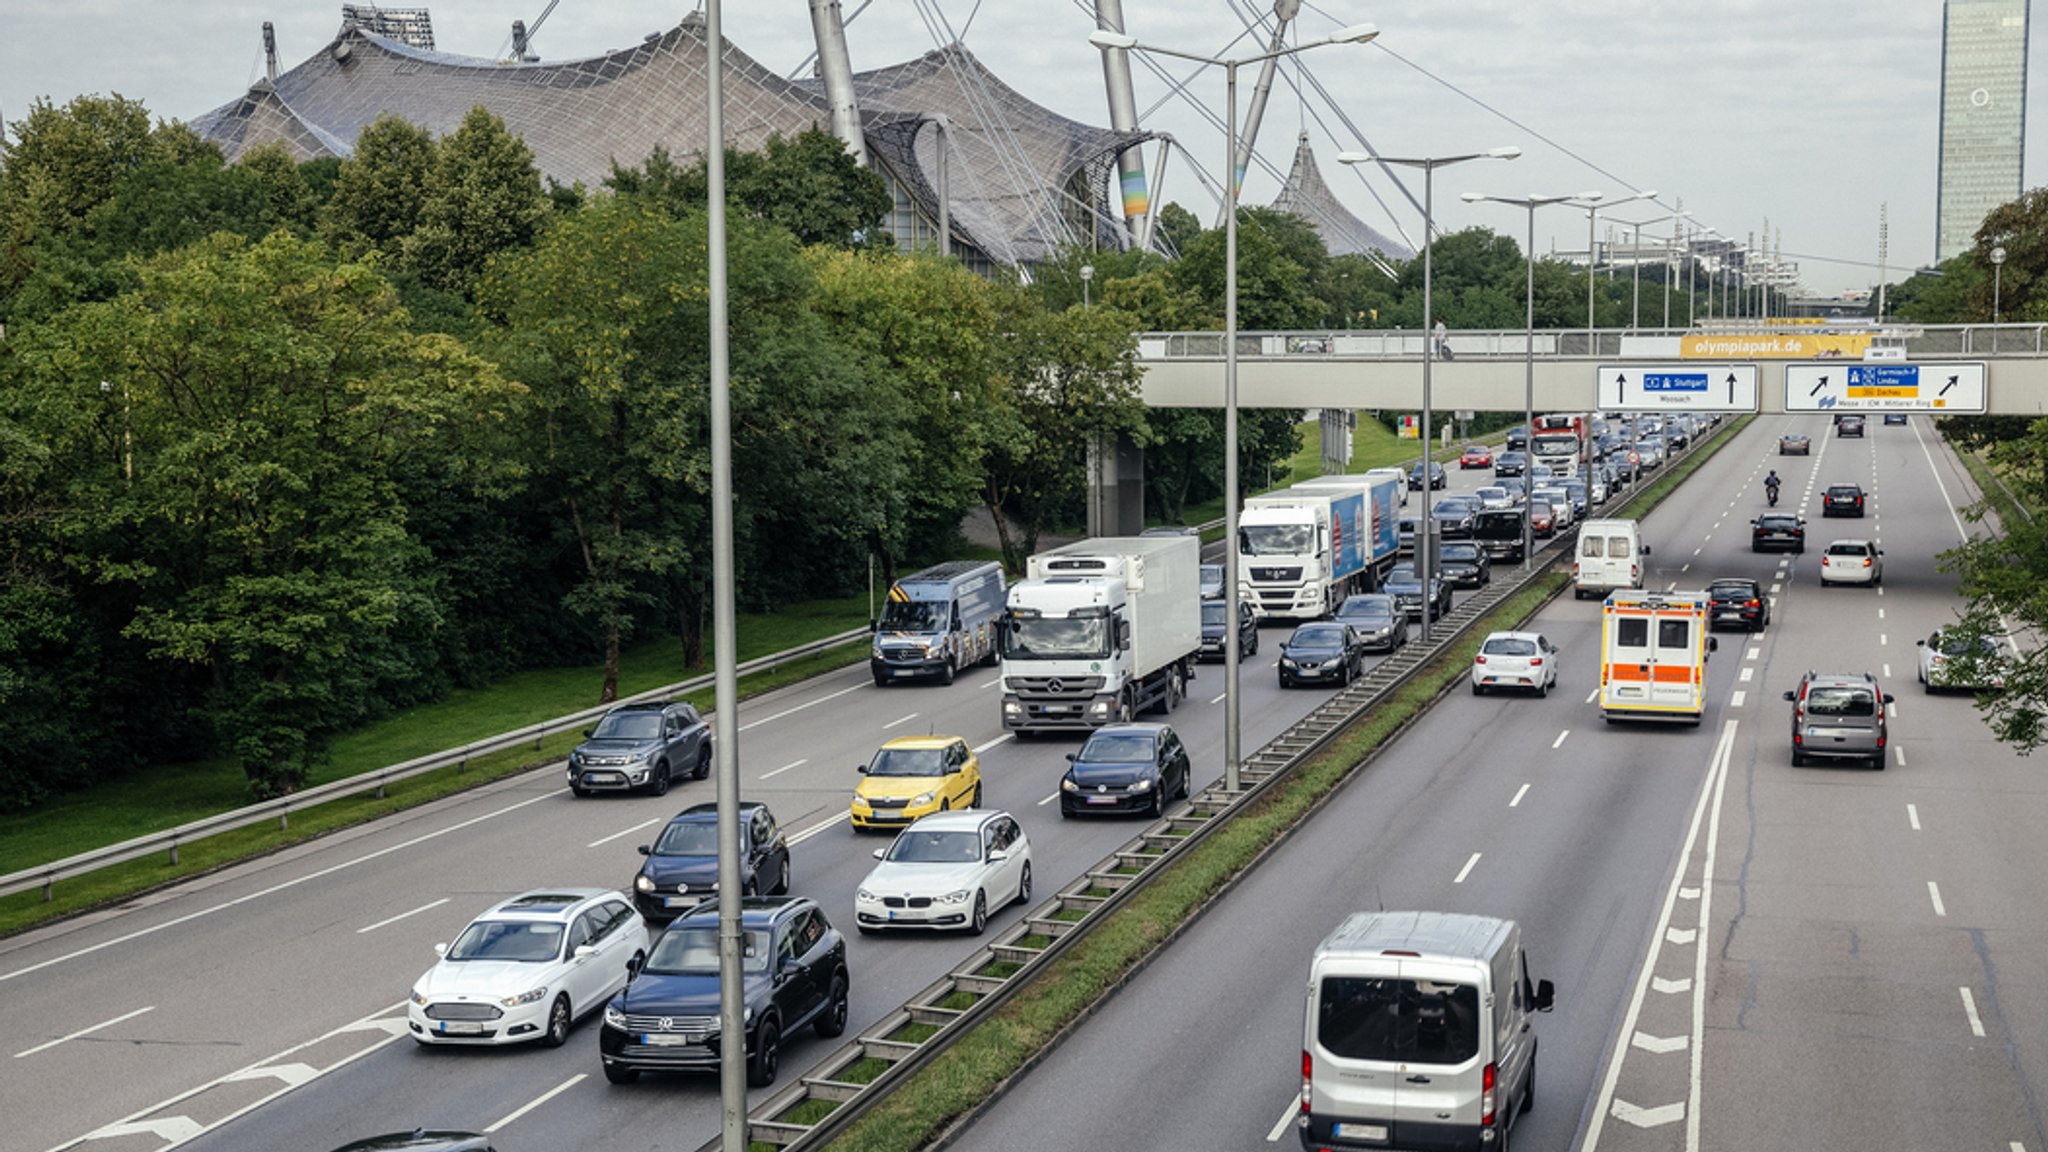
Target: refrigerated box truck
<point>1302,549</point>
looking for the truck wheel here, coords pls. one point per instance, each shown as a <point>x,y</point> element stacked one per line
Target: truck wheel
<point>947,673</point>
<point>1176,689</point>
<point>1123,707</point>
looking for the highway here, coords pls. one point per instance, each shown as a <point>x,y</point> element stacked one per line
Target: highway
<point>1837,958</point>
<point>262,1006</point>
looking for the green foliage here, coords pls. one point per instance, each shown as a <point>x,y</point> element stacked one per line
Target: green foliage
<point>287,196</point>
<point>808,185</point>
<point>481,197</point>
<point>380,194</point>
<point>1177,228</point>
<point>2000,570</point>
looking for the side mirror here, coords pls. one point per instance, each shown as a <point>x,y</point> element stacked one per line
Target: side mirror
<point>1791,696</point>
<point>587,732</point>
<point>1070,757</point>
<point>1713,644</point>
<point>1919,643</point>
<point>632,966</point>
<point>585,951</point>
<point>647,849</point>
<point>861,768</point>
<point>997,855</point>
<point>1887,697</point>
<point>441,949</point>
<point>880,852</point>
<point>1546,995</point>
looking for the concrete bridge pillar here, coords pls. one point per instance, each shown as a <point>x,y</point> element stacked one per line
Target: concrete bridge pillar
<point>1116,486</point>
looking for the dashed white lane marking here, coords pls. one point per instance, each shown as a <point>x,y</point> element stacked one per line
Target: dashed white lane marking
<point>1048,799</point>
<point>1519,793</point>
<point>1900,751</point>
<point>845,814</point>
<point>1685,568</point>
<point>1594,696</point>
<point>444,899</point>
<point>904,720</point>
<point>1709,536</point>
<point>1695,551</point>
<point>1751,654</point>
<point>539,1100</point>
<point>1467,869</point>
<point>1003,739</point>
<point>1747,673</point>
<point>1970,1010</point>
<point>1219,699</point>
<point>1934,894</point>
<point>1913,816</point>
<point>1559,742</point>
<point>1777,588</point>
<point>800,707</point>
<point>111,1023</point>
<point>784,768</point>
<point>1883,639</point>
<point>1286,1117</point>
<point>1880,613</point>
<point>1887,671</point>
<point>1671,587</point>
<point>989,683</point>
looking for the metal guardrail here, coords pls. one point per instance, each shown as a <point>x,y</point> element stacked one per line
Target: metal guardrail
<point>995,974</point>
<point>47,875</point>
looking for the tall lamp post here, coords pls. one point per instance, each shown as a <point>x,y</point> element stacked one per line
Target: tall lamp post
<point>1635,261</point>
<point>1592,215</point>
<point>1109,41</point>
<point>1997,270</point>
<point>1532,203</point>
<point>1426,526</point>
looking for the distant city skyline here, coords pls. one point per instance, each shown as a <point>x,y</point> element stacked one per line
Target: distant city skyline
<point>1808,115</point>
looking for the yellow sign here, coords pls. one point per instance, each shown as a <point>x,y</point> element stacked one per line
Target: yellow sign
<point>1774,346</point>
<point>1884,393</point>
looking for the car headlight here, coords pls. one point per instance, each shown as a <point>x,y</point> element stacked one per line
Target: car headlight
<point>613,1017</point>
<point>1142,786</point>
<point>1287,662</point>
<point>418,999</point>
<point>1011,707</point>
<point>924,798</point>
<point>959,897</point>
<point>864,894</point>
<point>529,997</point>
<point>1067,784</point>
<point>642,884</point>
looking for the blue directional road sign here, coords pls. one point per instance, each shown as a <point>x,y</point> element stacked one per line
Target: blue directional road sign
<point>1885,387</point>
<point>1694,387</point>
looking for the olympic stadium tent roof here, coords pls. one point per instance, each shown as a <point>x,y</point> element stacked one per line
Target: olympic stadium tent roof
<point>1305,195</point>
<point>1022,179</point>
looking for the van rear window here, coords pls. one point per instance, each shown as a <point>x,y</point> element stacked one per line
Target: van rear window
<point>1398,1021</point>
<point>1590,546</point>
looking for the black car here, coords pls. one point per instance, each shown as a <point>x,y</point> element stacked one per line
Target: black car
<point>1843,500</point>
<point>1498,532</point>
<point>1465,565</point>
<point>1794,444</point>
<point>1437,477</point>
<point>681,869</point>
<point>1379,623</point>
<point>792,973</point>
<point>1406,588</point>
<point>1453,517</point>
<point>1777,532</point>
<point>1215,635</point>
<point>422,1140</point>
<point>641,747</point>
<point>1511,463</point>
<point>1894,418</point>
<point>1738,602</point>
<point>1847,425</point>
<point>1126,768</point>
<point>1518,437</point>
<point>1324,651</point>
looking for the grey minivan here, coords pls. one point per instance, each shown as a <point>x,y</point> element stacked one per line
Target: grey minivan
<point>1838,716</point>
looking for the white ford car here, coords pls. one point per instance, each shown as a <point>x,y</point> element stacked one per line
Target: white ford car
<point>527,968</point>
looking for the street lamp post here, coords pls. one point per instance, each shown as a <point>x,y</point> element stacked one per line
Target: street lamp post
<point>1532,203</point>
<point>1635,261</point>
<point>1108,41</point>
<point>1997,270</point>
<point>1426,525</point>
<point>1087,274</point>
<point>1592,215</point>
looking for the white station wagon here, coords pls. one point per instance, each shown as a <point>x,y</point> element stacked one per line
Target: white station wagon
<point>527,968</point>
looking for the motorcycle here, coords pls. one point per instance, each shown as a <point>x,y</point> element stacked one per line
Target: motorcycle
<point>1771,494</point>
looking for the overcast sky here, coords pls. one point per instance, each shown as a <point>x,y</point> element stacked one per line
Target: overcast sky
<point>1811,113</point>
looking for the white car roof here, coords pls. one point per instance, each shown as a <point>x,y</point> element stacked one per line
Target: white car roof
<point>966,820</point>
<point>546,903</point>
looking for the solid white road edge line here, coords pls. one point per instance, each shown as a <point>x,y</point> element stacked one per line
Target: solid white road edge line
<point>1726,753</point>
<point>628,831</point>
<point>276,888</point>
<point>83,1032</point>
<point>1617,1047</point>
<point>539,1100</point>
<point>414,912</point>
<point>1467,869</point>
<point>1970,1010</point>
<point>1519,793</point>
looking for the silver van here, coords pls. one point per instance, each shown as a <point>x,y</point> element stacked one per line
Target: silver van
<point>1418,1033</point>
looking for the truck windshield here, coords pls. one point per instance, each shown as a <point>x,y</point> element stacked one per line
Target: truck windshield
<point>1054,638</point>
<point>910,616</point>
<point>1276,540</point>
<point>1556,445</point>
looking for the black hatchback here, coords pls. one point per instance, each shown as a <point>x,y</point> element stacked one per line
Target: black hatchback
<point>1465,565</point>
<point>681,870</point>
<point>1741,603</point>
<point>1843,500</point>
<point>1777,532</point>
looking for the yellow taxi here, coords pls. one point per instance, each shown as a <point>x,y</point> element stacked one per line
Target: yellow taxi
<point>915,776</point>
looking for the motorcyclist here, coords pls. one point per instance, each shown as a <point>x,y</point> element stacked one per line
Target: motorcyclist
<point>1771,486</point>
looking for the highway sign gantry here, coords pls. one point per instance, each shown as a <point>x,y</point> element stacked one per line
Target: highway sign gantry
<point>1959,388</point>
<point>1693,387</point>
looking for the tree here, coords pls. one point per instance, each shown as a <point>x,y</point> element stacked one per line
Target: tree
<point>482,196</point>
<point>1177,228</point>
<point>808,185</point>
<point>1273,290</point>
<point>380,193</point>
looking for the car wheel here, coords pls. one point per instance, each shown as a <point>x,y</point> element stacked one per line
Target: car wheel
<point>1543,689</point>
<point>881,681</point>
<point>1798,758</point>
<point>752,887</point>
<point>1024,885</point>
<point>703,764</point>
<point>660,785</point>
<point>782,879</point>
<point>1478,689</point>
<point>1254,649</point>
<point>618,1075</point>
<point>1123,709</point>
<point>1159,799</point>
<point>974,801</point>
<point>767,1055</point>
<point>557,1033</point>
<point>578,791</point>
<point>1877,762</point>
<point>1529,1087</point>
<point>979,921</point>
<point>1176,688</point>
<point>832,1021</point>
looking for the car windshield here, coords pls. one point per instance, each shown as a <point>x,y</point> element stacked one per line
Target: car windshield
<point>1276,539</point>
<point>1402,574</point>
<point>1492,492</point>
<point>523,941</point>
<point>628,726</point>
<point>1848,549</point>
<point>1117,748</point>
<point>1957,644</point>
<point>909,762</point>
<point>918,847</point>
<point>1509,646</point>
<point>692,950</point>
<point>910,616</point>
<point>1317,636</point>
<point>1212,611</point>
<point>1367,608</point>
<point>1459,552</point>
<point>1056,638</point>
<point>1840,702</point>
<point>688,838</point>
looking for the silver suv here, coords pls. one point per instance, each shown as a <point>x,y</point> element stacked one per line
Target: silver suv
<point>1838,716</point>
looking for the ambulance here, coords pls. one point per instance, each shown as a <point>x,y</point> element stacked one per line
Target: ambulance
<point>1653,656</point>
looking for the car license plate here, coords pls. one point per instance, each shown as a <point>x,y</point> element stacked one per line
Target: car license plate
<point>1359,1131</point>
<point>1102,799</point>
<point>904,672</point>
<point>448,1029</point>
<point>680,902</point>
<point>667,1039</point>
<point>604,778</point>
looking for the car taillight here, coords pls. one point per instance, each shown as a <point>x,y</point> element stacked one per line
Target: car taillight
<point>1866,562</point>
<point>1486,1113</point>
<point>1536,663</point>
<point>1750,604</point>
<point>1479,660</point>
<point>1308,1065</point>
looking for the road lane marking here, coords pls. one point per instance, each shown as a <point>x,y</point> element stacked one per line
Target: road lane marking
<point>1048,800</point>
<point>84,1032</point>
<point>627,832</point>
<point>1900,750</point>
<point>989,683</point>
<point>1659,1044</point>
<point>539,1100</point>
<point>1736,698</point>
<point>1882,639</point>
<point>1747,673</point>
<point>1467,869</point>
<point>438,903</point>
<point>1970,1010</point>
<point>1752,653</point>
<point>1519,793</point>
<point>551,794</point>
<point>904,720</point>
<point>1880,613</point>
<point>1913,816</point>
<point>767,775</point>
<point>1559,742</point>
<point>1671,987</point>
<point>1003,739</point>
<point>1684,568</point>
<point>1286,1118</point>
<point>800,707</point>
<point>1934,894</point>
<point>1777,588</point>
<point>1221,698</point>
<point>1594,696</point>
<point>1695,551</point>
<point>844,815</point>
<point>1887,671</point>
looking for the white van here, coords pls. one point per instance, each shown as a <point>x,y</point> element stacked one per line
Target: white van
<point>1653,656</point>
<point>1417,1033</point>
<point>1610,557</point>
<point>1399,478</point>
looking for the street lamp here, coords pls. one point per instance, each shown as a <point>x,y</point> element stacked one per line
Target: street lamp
<point>1087,274</point>
<point>1532,203</point>
<point>1425,527</point>
<point>1106,40</point>
<point>1997,270</point>
<point>1635,260</point>
<point>1592,213</point>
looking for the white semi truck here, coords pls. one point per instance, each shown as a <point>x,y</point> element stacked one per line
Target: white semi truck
<point>1101,630</point>
<point>1303,549</point>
